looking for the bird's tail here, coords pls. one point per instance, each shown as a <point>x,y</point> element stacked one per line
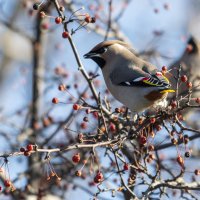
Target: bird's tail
<point>167,90</point>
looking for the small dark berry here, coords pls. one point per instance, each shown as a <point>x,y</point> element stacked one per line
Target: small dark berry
<point>197,172</point>
<point>85,119</point>
<point>187,154</point>
<point>93,20</point>
<point>36,6</point>
<point>62,8</point>
<point>22,149</point>
<point>27,153</point>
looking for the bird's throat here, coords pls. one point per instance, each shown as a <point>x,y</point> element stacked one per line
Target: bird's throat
<point>100,61</point>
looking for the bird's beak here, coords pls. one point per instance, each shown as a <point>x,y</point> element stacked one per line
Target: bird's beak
<point>90,55</point>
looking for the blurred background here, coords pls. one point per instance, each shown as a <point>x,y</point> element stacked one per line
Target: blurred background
<point>35,60</point>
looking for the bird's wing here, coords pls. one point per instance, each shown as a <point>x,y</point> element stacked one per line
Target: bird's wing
<point>139,76</point>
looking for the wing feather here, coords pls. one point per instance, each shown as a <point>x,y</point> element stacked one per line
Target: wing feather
<point>135,76</point>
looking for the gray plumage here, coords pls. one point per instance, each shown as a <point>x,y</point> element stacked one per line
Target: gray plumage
<point>134,82</point>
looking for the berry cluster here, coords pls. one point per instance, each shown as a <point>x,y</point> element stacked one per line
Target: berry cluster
<point>28,149</point>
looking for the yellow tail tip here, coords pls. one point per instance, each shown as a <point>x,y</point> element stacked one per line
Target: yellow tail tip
<point>165,91</point>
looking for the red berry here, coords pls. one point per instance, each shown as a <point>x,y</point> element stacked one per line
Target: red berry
<point>197,172</point>
<point>186,140</point>
<point>197,100</point>
<point>58,20</point>
<point>7,183</point>
<point>55,100</point>
<point>95,114</point>
<point>76,106</point>
<point>65,34</point>
<point>98,178</point>
<point>149,160</point>
<point>22,149</point>
<point>99,175</point>
<point>61,87</point>
<point>164,68</point>
<point>152,120</point>
<point>189,48</point>
<point>151,156</point>
<point>184,78</point>
<point>27,153</point>
<point>29,147</point>
<point>87,111</point>
<point>180,116</point>
<point>112,127</point>
<point>126,166</point>
<point>142,140</point>
<point>88,19</point>
<point>45,26</point>
<point>83,125</point>
<point>46,122</point>
<point>173,104</point>
<point>42,14</point>
<point>180,161</point>
<point>189,85</point>
<point>0,188</point>
<point>151,147</point>
<point>76,158</point>
<point>158,127</point>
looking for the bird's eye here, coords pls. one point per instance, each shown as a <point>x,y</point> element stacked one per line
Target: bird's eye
<point>102,50</point>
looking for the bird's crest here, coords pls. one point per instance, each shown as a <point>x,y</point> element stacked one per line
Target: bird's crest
<point>111,42</point>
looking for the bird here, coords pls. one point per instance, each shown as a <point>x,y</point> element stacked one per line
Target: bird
<point>134,82</point>
<point>190,66</point>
